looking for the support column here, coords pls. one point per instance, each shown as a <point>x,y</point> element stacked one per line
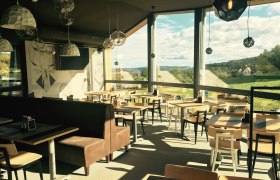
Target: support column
<point>107,67</point>
<point>198,47</point>
<point>151,51</point>
<point>202,52</point>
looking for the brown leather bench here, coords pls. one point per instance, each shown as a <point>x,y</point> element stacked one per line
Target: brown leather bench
<point>97,137</point>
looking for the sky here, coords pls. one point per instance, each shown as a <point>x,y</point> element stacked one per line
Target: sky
<point>175,37</point>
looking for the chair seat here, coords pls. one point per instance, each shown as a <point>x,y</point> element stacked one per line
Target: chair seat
<point>192,119</point>
<point>130,117</point>
<point>266,148</point>
<point>82,142</point>
<point>23,158</point>
<point>225,144</point>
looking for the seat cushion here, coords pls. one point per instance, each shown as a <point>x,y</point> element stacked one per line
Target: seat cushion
<point>23,158</point>
<point>82,142</point>
<point>225,144</point>
<point>130,117</point>
<point>80,150</point>
<point>192,119</point>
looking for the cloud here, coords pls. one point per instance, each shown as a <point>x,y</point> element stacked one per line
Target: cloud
<point>176,48</point>
<point>273,8</point>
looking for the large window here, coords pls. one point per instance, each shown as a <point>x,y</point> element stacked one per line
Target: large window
<point>234,66</point>
<point>10,73</point>
<point>129,61</point>
<point>175,47</point>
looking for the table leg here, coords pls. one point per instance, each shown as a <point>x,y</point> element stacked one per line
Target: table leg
<point>135,128</point>
<point>52,167</point>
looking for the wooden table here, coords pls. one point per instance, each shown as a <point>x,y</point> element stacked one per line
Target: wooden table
<point>185,105</point>
<point>5,120</point>
<point>263,124</point>
<point>100,94</point>
<point>227,121</point>
<point>43,133</point>
<point>132,109</point>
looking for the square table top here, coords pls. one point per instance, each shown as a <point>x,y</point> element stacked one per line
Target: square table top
<point>4,120</point>
<point>131,107</point>
<point>264,124</point>
<point>42,133</point>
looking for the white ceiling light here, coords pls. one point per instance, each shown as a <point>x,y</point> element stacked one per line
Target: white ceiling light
<point>64,6</point>
<point>5,45</point>
<point>18,17</point>
<point>70,49</point>
<point>118,36</point>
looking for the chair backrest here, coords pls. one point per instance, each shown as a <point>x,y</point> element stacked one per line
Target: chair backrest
<point>112,98</point>
<point>265,133</point>
<point>10,149</point>
<point>188,173</point>
<point>156,103</point>
<point>200,109</point>
<point>237,133</point>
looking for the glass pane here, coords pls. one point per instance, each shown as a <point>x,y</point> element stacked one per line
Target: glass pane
<point>234,66</point>
<point>129,61</point>
<point>175,47</point>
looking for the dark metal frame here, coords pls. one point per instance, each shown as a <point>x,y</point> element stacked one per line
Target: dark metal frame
<point>252,94</point>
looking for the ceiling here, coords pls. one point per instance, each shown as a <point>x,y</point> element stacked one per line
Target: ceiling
<point>91,17</point>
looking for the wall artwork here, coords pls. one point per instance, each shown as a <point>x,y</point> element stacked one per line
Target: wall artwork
<point>45,79</point>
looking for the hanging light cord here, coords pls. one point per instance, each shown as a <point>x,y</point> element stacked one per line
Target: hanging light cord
<point>109,20</point>
<point>118,16</point>
<point>68,34</point>
<point>248,19</point>
<point>209,38</point>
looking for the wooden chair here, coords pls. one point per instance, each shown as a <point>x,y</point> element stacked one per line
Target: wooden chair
<point>13,160</point>
<point>155,106</point>
<point>198,116</point>
<point>266,144</point>
<point>225,141</point>
<point>188,173</point>
<point>129,117</point>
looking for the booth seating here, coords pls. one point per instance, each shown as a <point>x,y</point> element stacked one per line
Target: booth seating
<point>98,136</point>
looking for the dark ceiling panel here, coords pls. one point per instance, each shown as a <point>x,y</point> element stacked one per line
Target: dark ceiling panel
<point>91,16</point>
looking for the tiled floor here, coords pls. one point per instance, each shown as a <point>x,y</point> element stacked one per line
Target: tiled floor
<point>149,155</point>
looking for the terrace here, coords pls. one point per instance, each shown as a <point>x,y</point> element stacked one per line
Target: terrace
<point>165,57</point>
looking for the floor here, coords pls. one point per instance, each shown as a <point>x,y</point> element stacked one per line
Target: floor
<point>149,155</point>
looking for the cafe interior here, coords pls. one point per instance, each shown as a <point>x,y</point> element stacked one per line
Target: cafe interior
<point>69,112</point>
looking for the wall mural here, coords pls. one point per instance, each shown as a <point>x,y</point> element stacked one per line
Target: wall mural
<point>45,80</point>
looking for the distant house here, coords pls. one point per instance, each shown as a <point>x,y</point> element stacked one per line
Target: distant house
<point>247,71</point>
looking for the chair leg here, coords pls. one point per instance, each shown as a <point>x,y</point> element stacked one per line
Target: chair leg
<point>160,116</point>
<point>274,159</point>
<point>24,173</point>
<point>182,128</point>
<point>214,160</point>
<point>233,162</point>
<point>40,170</point>
<point>153,115</point>
<point>16,174</point>
<point>206,132</point>
<point>211,157</point>
<point>195,133</point>
<point>86,170</point>
<point>142,126</point>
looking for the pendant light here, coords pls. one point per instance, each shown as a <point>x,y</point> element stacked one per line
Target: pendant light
<point>108,42</point>
<point>209,49</point>
<point>249,41</point>
<point>64,6</point>
<point>5,45</point>
<point>229,10</point>
<point>18,17</point>
<point>118,36</point>
<point>116,59</point>
<point>69,49</point>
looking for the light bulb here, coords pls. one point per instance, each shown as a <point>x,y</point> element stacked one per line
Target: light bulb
<point>230,4</point>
